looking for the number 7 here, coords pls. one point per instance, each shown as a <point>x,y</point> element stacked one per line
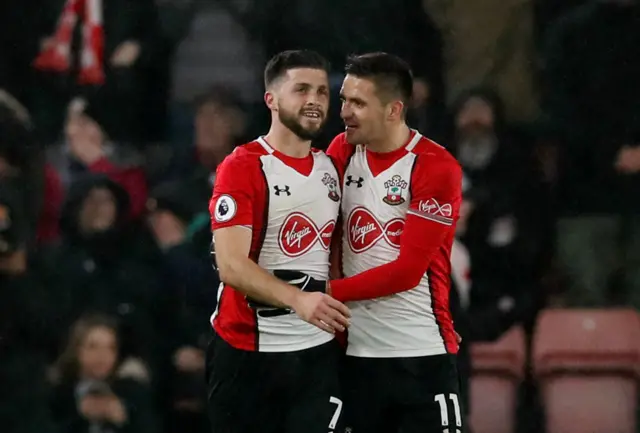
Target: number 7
<point>444,412</point>
<point>336,414</point>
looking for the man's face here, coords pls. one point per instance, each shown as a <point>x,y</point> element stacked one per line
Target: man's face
<point>83,128</point>
<point>475,135</point>
<point>301,99</point>
<point>213,128</point>
<point>98,212</point>
<point>363,112</point>
<point>475,118</point>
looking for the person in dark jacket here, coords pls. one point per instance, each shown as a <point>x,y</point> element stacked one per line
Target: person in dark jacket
<point>27,320</point>
<point>590,58</point>
<point>183,235</point>
<point>507,207</point>
<point>106,263</point>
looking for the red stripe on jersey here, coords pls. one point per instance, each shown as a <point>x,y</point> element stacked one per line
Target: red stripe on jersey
<point>439,286</point>
<point>235,322</point>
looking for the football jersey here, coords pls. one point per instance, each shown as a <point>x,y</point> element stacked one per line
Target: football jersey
<point>379,191</point>
<point>291,206</point>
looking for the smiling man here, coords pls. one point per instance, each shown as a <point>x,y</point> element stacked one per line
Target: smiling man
<point>273,363</point>
<point>400,204</point>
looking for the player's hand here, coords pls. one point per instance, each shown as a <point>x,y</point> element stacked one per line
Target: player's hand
<point>322,310</point>
<point>296,278</point>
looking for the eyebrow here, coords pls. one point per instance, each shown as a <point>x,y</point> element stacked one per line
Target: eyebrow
<point>303,84</point>
<point>357,100</point>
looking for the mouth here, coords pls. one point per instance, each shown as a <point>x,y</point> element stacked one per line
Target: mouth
<point>312,114</point>
<point>350,125</point>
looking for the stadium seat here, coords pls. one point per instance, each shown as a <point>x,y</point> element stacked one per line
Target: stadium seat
<point>587,363</point>
<point>497,370</point>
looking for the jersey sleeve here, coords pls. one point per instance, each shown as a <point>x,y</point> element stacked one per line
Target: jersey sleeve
<point>234,192</point>
<point>425,230</point>
<point>436,191</point>
<point>340,151</point>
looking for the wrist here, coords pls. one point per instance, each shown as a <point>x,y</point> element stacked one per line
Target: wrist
<point>291,298</point>
<point>328,288</point>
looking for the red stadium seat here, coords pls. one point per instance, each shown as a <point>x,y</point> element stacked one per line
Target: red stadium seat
<point>498,369</point>
<point>587,363</point>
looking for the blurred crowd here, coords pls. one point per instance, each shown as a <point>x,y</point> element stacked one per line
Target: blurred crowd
<point>114,115</point>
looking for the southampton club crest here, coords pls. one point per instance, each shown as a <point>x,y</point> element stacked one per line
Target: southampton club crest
<point>332,185</point>
<point>395,186</point>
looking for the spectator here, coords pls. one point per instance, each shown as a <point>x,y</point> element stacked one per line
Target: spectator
<point>87,149</point>
<point>219,124</point>
<point>108,264</point>
<point>21,159</point>
<point>95,391</point>
<point>26,324</point>
<point>506,209</point>
<point>591,56</point>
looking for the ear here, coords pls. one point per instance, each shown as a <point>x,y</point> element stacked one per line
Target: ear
<point>270,100</point>
<point>396,110</point>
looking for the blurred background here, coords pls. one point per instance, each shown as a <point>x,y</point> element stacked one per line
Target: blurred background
<point>115,113</point>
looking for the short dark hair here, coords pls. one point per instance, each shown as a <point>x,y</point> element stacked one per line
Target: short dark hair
<point>293,59</point>
<point>391,75</point>
<point>219,95</point>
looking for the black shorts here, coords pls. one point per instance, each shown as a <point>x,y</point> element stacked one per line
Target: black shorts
<point>402,395</point>
<point>258,392</point>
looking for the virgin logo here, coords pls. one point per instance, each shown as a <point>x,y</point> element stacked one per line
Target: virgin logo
<point>298,234</point>
<point>365,230</point>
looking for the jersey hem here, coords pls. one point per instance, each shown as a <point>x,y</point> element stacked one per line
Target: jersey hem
<point>364,352</point>
<point>307,344</point>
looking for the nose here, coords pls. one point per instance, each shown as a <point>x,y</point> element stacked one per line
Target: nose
<point>312,98</point>
<point>345,111</point>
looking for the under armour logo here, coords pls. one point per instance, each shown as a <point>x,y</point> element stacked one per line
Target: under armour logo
<point>280,190</point>
<point>357,182</point>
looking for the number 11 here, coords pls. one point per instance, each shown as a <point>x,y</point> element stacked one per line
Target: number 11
<point>444,411</point>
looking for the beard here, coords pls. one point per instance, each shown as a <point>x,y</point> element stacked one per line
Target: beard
<point>292,123</point>
<point>476,147</point>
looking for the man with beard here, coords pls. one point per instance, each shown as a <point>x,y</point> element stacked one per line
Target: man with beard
<point>272,364</point>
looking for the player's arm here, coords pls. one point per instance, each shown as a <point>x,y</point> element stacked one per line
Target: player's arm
<point>231,209</point>
<point>240,272</point>
<point>432,213</point>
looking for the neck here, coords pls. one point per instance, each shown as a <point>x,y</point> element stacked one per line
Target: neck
<point>285,141</point>
<point>396,137</point>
